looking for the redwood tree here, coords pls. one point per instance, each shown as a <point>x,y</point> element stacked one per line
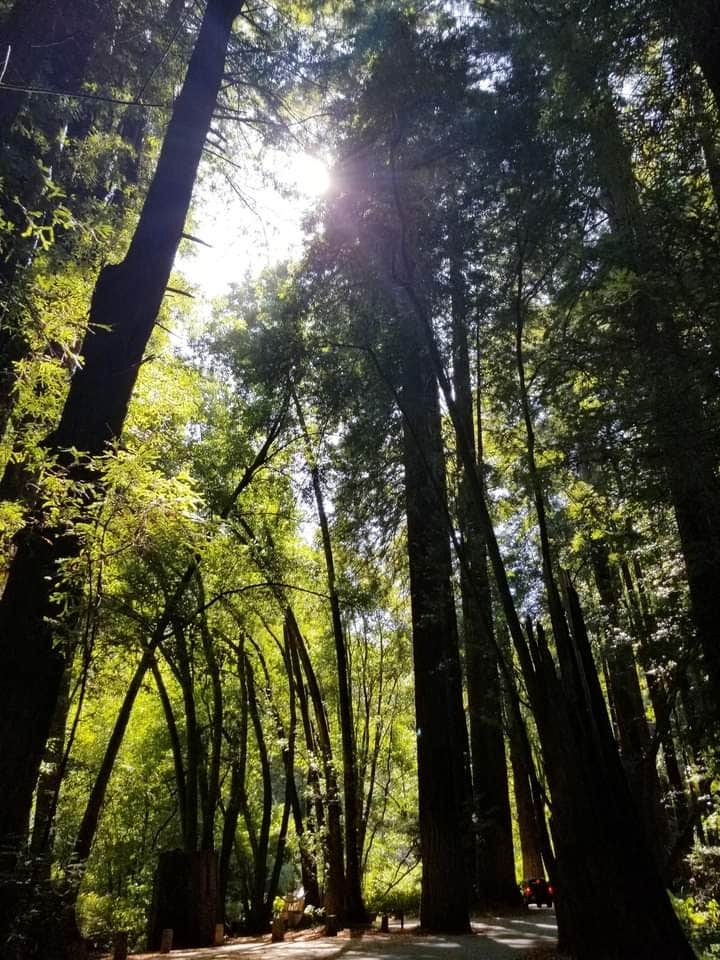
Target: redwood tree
<point>124,306</point>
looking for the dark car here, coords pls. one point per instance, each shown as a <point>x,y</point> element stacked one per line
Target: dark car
<point>538,891</point>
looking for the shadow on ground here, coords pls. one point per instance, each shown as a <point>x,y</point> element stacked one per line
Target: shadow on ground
<point>493,938</point>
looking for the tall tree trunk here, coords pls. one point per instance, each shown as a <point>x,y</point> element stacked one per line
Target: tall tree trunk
<point>291,804</point>
<point>443,783</point>
<point>601,855</point>
<point>354,912</point>
<point>645,627</point>
<point>260,910</point>
<point>124,307</point>
<point>494,874</point>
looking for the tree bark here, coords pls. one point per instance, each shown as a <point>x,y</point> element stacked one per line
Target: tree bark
<point>185,899</point>
<point>443,782</point>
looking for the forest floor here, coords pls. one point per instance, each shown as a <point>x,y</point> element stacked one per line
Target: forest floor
<point>527,936</point>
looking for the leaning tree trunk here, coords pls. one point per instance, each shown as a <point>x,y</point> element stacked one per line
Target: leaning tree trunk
<point>494,867</point>
<point>124,306</point>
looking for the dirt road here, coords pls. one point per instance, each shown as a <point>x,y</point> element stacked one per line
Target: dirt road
<point>493,938</point>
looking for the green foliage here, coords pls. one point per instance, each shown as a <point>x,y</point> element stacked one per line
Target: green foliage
<point>701,920</point>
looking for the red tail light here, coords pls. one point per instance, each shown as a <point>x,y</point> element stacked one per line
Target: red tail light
<point>551,890</point>
<point>528,891</point>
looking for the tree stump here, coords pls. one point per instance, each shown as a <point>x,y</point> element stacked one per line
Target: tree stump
<point>120,945</point>
<point>185,898</point>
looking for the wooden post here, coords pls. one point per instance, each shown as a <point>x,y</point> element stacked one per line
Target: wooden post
<point>120,945</point>
<point>278,930</point>
<point>166,939</point>
<point>331,925</point>
<point>384,924</point>
<point>219,934</point>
